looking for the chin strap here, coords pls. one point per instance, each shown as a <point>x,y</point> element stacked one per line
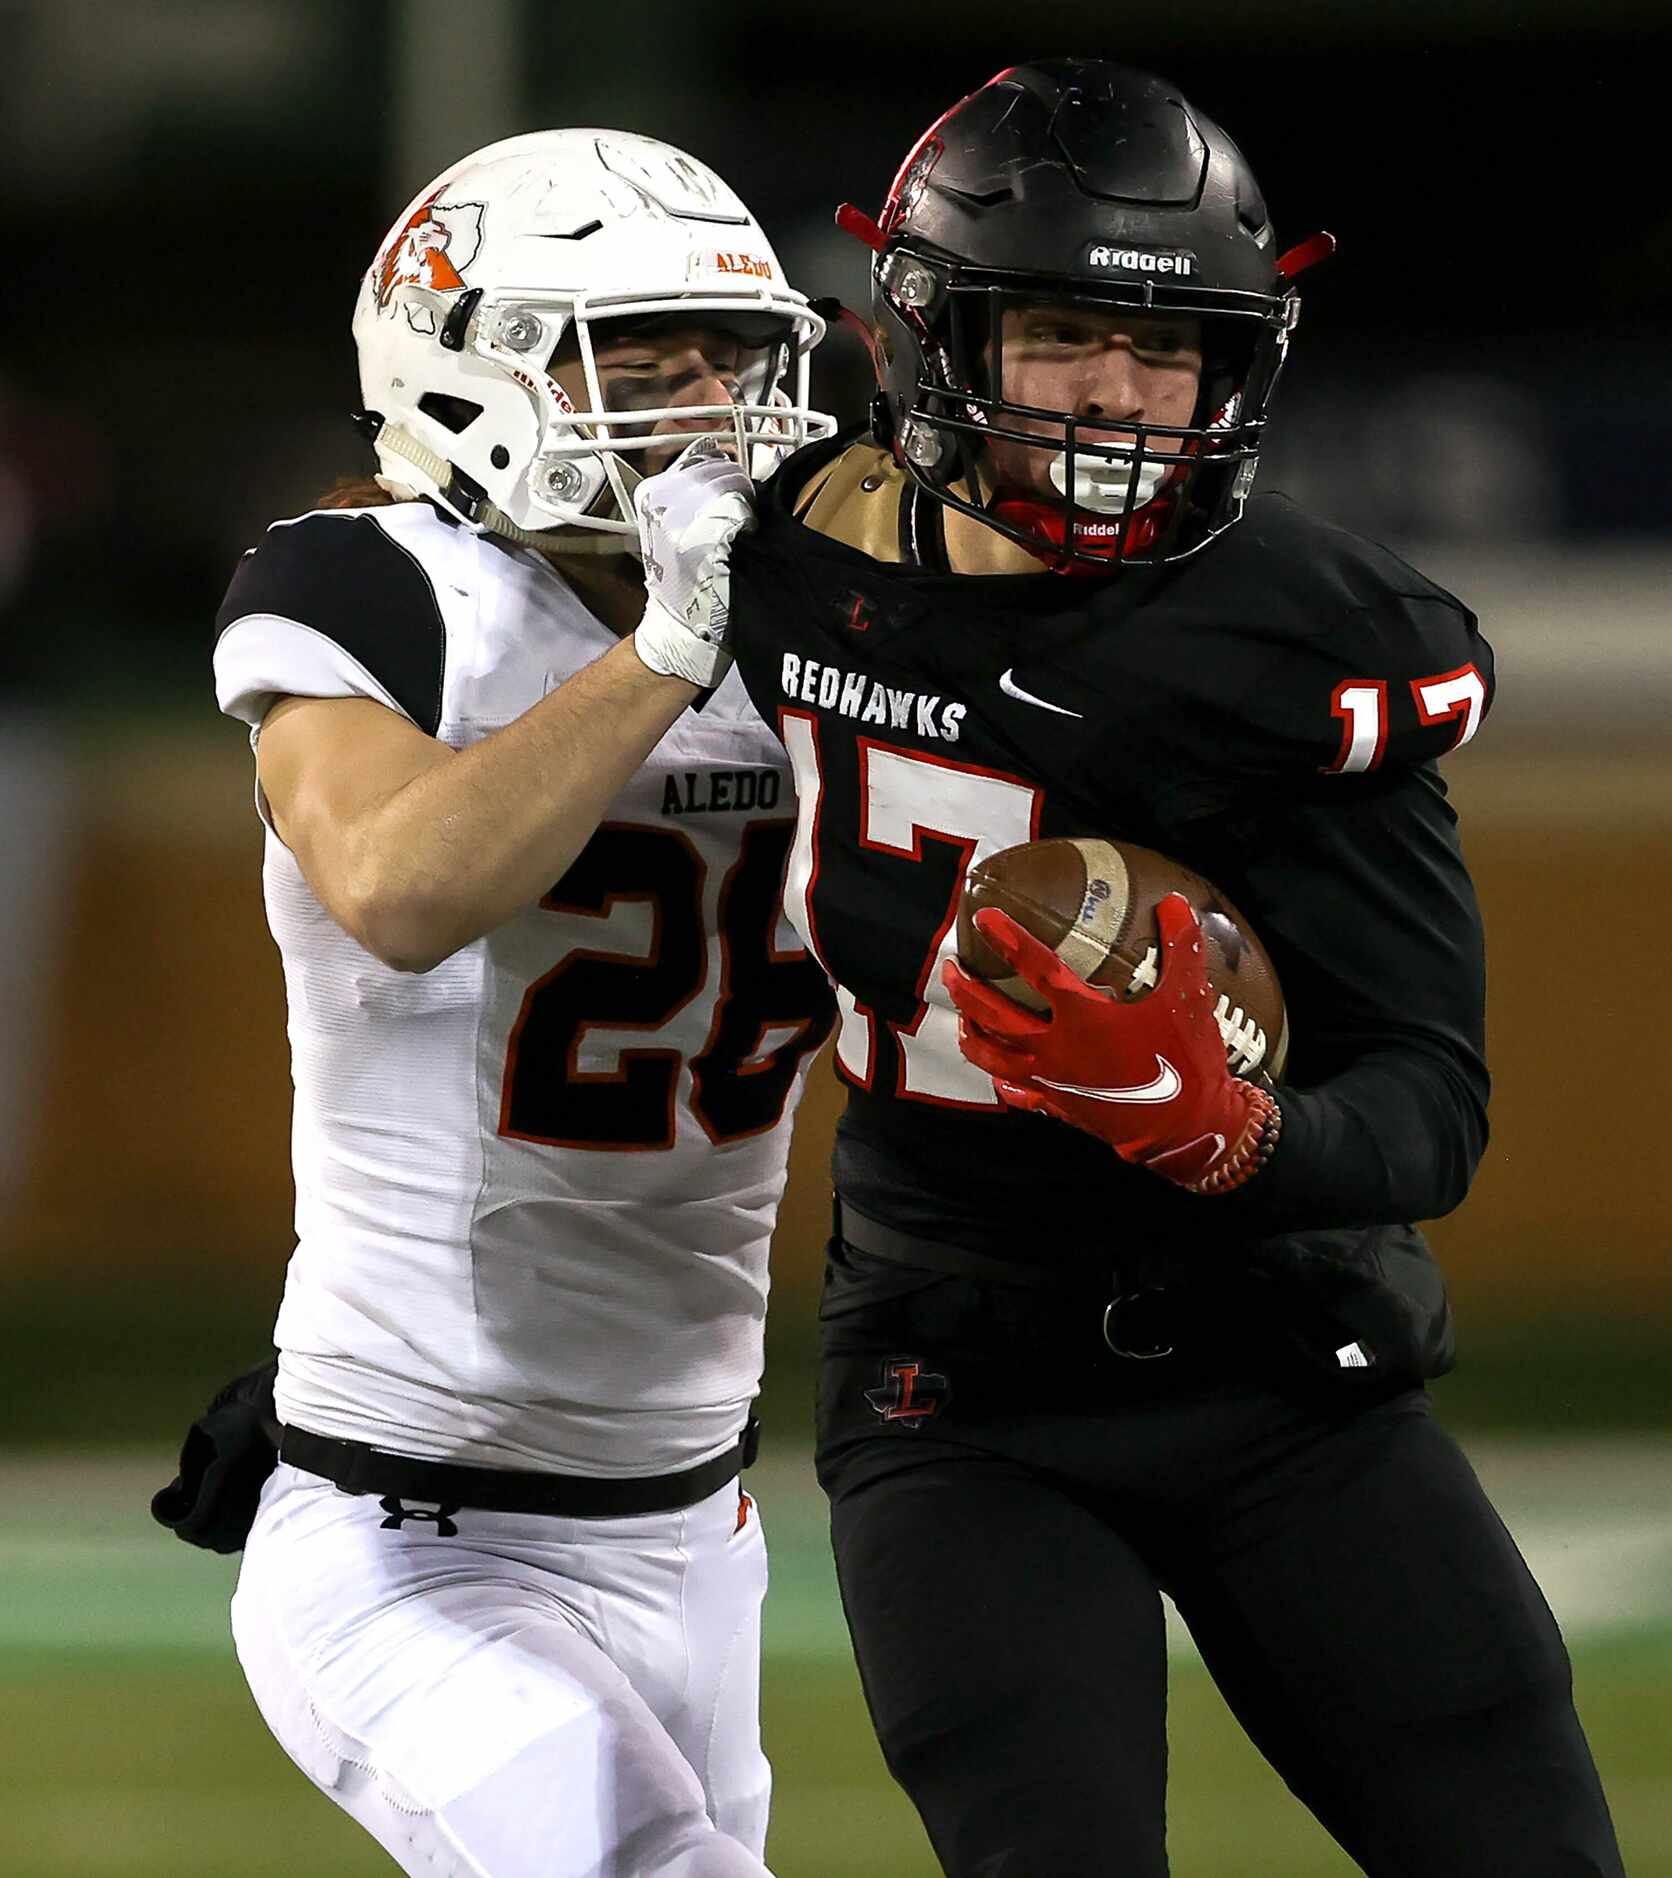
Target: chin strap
<point>470,498</point>
<point>833,313</point>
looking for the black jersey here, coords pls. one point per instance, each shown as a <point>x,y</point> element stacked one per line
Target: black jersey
<point>1269,713</point>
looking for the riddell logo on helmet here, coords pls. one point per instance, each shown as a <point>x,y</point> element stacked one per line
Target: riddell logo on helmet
<point>1140,261</point>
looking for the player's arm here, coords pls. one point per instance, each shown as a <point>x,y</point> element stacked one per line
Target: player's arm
<point>416,849</point>
<point>1366,904</point>
<point>1350,869</point>
<point>332,645</point>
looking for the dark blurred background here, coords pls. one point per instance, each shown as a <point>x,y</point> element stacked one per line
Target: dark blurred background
<point>189,191</point>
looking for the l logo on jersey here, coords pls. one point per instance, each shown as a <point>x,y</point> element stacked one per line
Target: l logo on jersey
<point>908,1392</point>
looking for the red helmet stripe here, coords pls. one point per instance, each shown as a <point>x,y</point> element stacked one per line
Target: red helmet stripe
<point>854,221</point>
<point>1305,254</point>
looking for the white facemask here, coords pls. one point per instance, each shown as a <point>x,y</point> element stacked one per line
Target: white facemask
<point>1101,486</point>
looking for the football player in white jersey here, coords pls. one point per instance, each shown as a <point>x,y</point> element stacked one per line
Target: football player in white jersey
<point>524,854</point>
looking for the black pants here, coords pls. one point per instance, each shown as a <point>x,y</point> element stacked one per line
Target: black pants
<point>1008,1498</point>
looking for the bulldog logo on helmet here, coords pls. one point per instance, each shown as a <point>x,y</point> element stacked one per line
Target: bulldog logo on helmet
<point>438,241</point>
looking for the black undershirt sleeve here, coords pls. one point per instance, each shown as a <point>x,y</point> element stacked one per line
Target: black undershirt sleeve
<point>1366,905</point>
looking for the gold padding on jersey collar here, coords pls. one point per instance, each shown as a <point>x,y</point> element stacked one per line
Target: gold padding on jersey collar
<point>856,500</point>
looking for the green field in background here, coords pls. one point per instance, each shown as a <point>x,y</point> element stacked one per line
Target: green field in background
<point>133,1751</point>
<point>127,1361</point>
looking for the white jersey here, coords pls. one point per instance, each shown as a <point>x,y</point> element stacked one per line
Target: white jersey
<point>534,1186</point>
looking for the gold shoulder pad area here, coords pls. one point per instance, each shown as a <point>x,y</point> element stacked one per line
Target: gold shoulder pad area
<point>856,501</point>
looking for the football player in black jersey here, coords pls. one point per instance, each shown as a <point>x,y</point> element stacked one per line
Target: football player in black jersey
<point>1080,1348</point>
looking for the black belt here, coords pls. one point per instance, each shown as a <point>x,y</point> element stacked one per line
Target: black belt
<point>357,1468</point>
<point>871,1236</point>
<point>1138,1320</point>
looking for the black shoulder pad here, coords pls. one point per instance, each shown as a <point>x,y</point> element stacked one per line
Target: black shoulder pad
<point>1414,672</point>
<point>1366,663</point>
<point>343,576</point>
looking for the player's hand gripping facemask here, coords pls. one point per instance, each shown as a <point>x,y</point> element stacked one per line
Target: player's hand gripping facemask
<point>689,518</point>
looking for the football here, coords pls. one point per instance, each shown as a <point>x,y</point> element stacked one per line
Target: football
<point>1093,903</point>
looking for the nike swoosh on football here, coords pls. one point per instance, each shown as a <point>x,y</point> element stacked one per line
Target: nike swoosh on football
<point>1163,1089</point>
<point>1011,689</point>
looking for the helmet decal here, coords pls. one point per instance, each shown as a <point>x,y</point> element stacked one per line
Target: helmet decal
<point>728,261</point>
<point>668,182</point>
<point>911,182</point>
<point>433,249</point>
<point>1141,260</point>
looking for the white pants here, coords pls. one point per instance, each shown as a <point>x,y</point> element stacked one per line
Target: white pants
<point>530,1698</point>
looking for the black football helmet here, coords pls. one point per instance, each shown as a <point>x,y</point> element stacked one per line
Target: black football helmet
<point>1090,183</point>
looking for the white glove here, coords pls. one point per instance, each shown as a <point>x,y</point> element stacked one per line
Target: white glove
<point>689,515</point>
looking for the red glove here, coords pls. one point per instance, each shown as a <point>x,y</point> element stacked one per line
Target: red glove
<point>1147,1076</point>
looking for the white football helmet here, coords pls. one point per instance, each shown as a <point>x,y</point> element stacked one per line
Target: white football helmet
<point>488,269</point>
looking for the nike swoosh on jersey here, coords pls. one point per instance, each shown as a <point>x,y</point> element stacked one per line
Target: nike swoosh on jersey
<point>1011,689</point>
<point>1165,1086</point>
